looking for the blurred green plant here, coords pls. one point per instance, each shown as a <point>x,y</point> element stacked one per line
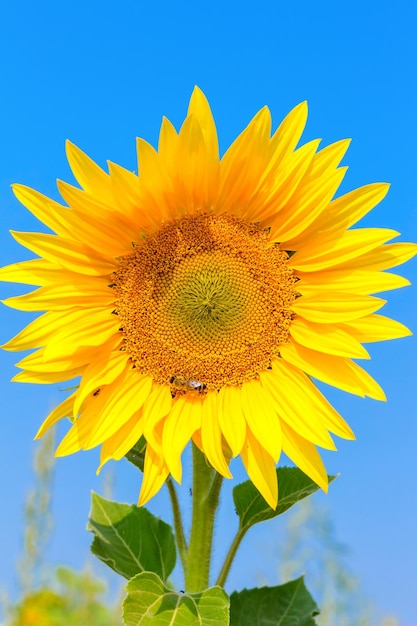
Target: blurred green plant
<point>60,596</point>
<point>72,599</point>
<point>32,568</point>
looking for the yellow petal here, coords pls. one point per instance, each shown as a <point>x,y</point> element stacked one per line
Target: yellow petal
<point>148,163</point>
<point>350,208</point>
<point>97,225</point>
<point>335,306</point>
<point>304,454</point>
<point>36,334</point>
<point>327,338</point>
<point>181,423</point>
<point>196,438</point>
<point>333,370</point>
<point>156,407</point>
<point>90,176</point>
<point>313,194</point>
<point>231,419</point>
<point>155,473</point>
<point>80,328</point>
<point>84,425</point>
<point>243,163</point>
<point>370,387</point>
<point>37,362</point>
<point>329,251</point>
<point>260,467</point>
<point>128,396</point>
<point>261,417</point>
<point>200,109</point>
<point>376,328</point>
<point>285,184</point>
<point>286,137</point>
<point>359,281</point>
<point>167,146</point>
<point>211,435</point>
<point>46,210</point>
<point>384,257</point>
<point>342,213</point>
<point>158,196</point>
<point>294,406</point>
<point>65,409</point>
<point>129,197</point>
<point>36,272</point>
<point>72,442</point>
<point>102,371</point>
<point>196,185</point>
<point>65,253</point>
<point>123,440</point>
<point>328,159</point>
<point>45,378</point>
<point>320,410</point>
<point>61,297</point>
<point>308,202</point>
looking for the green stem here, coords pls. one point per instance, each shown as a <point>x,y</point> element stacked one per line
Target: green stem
<point>224,572</point>
<point>206,491</point>
<point>178,525</point>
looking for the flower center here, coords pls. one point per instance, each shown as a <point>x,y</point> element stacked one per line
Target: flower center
<point>204,302</point>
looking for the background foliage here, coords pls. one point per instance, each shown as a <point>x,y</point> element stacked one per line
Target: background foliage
<point>58,596</point>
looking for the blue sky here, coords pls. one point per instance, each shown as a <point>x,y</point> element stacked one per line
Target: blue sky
<point>100,73</point>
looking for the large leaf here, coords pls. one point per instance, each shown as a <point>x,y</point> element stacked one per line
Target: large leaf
<point>151,603</point>
<point>285,605</point>
<point>130,540</point>
<point>137,454</point>
<point>293,486</point>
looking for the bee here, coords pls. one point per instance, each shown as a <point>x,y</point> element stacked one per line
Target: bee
<point>180,383</point>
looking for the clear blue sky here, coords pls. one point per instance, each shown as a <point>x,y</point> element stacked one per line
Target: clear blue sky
<point>100,73</point>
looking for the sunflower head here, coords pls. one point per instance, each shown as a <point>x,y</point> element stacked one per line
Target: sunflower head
<point>196,299</point>
<point>206,298</point>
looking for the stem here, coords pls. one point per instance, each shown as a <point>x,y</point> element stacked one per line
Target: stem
<point>206,491</point>
<point>224,572</point>
<point>178,525</point>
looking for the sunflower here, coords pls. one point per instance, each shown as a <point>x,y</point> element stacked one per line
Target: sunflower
<point>196,299</point>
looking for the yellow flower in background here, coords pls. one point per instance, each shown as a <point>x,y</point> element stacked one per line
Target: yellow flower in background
<point>196,299</point>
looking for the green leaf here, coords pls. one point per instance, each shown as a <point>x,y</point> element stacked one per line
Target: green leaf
<point>284,605</point>
<point>293,485</point>
<point>130,540</point>
<point>136,455</point>
<point>151,603</point>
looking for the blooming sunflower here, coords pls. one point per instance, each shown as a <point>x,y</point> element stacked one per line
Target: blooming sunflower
<point>196,300</point>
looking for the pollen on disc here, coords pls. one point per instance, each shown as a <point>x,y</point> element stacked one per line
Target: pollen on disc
<point>205,298</point>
